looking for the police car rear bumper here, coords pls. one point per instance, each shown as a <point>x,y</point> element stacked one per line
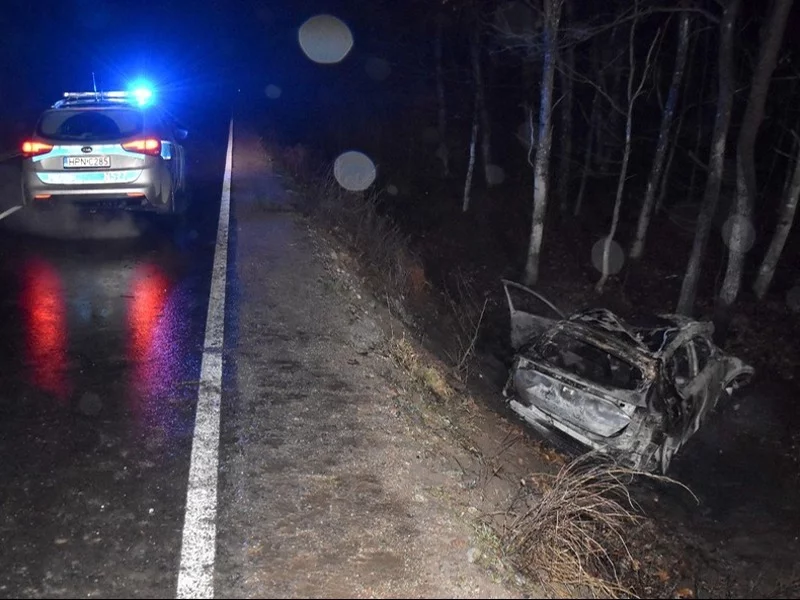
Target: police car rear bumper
<point>144,193</point>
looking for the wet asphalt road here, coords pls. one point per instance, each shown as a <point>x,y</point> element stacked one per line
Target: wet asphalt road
<point>100,347</point>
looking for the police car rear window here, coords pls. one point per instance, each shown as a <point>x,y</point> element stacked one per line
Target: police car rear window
<point>90,125</point>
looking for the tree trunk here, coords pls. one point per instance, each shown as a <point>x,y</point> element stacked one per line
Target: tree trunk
<point>617,205</point>
<point>772,38</point>
<point>662,192</point>
<point>687,83</point>
<point>623,173</point>
<point>716,159</point>
<point>587,157</point>
<point>442,152</point>
<point>789,207</point>
<point>700,111</point>
<point>663,138</point>
<point>541,169</point>
<point>472,151</point>
<point>606,145</point>
<point>568,58</point>
<point>480,100</point>
<point>787,178</point>
<point>778,144</point>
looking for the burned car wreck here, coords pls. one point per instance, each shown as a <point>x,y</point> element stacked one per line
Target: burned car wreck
<point>635,392</point>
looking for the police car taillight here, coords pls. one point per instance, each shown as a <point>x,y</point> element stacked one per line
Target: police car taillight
<point>150,146</point>
<point>31,148</point>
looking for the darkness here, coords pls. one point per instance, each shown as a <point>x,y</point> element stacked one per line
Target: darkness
<point>189,51</point>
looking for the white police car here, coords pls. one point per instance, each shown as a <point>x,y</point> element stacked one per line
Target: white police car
<point>106,149</point>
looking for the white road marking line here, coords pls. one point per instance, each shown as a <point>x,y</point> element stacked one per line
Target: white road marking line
<point>196,575</point>
<point>9,212</point>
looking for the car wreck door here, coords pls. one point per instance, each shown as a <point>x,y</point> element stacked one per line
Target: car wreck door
<point>531,313</point>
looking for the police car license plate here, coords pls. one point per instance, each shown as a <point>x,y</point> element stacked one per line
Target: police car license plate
<point>87,162</point>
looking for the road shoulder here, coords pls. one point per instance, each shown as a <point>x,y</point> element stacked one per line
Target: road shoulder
<point>330,483</point>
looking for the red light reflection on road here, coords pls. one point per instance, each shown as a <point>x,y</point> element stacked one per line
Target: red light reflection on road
<point>148,345</point>
<point>149,294</point>
<point>44,309</point>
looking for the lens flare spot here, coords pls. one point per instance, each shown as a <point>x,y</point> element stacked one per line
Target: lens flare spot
<point>616,256</point>
<point>377,68</point>
<point>354,171</point>
<point>273,92</point>
<point>392,189</point>
<point>325,39</point>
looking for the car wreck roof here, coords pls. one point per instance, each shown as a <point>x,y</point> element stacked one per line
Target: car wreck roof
<point>653,338</point>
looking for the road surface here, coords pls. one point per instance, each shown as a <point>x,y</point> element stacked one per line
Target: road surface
<point>203,411</point>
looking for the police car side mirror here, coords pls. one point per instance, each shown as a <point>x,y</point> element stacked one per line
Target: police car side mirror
<point>182,134</point>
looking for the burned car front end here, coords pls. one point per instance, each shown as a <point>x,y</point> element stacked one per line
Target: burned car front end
<point>635,393</point>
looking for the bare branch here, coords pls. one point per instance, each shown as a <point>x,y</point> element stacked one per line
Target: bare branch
<point>647,62</point>
<point>471,347</point>
<point>697,161</point>
<point>580,78</point>
<point>635,15</point>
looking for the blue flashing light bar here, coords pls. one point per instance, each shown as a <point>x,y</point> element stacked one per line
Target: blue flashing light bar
<point>140,93</point>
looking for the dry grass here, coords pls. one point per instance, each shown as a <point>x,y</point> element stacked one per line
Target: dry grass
<point>429,376</point>
<point>572,529</point>
<point>358,220</point>
<point>381,246</point>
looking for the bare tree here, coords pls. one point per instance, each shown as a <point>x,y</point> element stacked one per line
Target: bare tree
<point>662,192</point>
<point>663,137</point>
<point>771,39</point>
<point>567,57</point>
<point>788,208</point>
<point>632,94</point>
<point>587,156</point>
<point>607,140</point>
<point>541,169</point>
<point>480,103</point>
<point>716,159</point>
<point>442,152</point>
<point>473,142</point>
<point>676,138</point>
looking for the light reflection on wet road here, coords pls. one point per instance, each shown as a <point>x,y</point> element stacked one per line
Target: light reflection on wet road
<point>100,346</point>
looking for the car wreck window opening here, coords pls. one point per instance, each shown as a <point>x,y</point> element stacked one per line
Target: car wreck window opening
<point>526,300</point>
<point>90,125</point>
<point>680,367</point>
<point>590,362</point>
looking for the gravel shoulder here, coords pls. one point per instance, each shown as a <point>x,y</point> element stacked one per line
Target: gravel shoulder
<point>340,474</point>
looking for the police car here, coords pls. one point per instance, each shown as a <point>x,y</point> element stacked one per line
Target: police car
<point>106,149</point>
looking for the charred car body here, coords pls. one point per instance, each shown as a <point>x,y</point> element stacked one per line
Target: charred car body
<point>636,392</point>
